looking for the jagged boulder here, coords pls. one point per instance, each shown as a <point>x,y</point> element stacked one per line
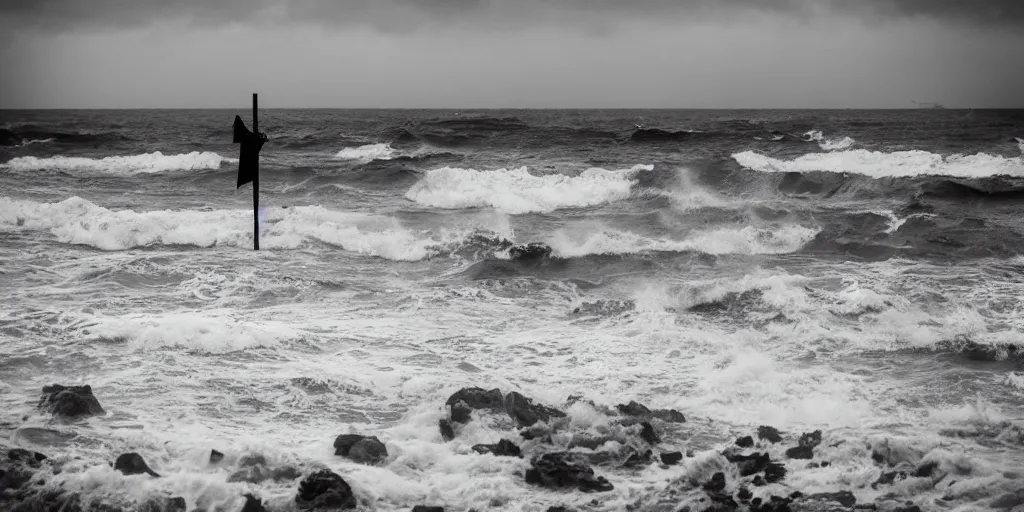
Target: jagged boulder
<point>770,434</point>
<point>133,464</point>
<point>503,448</point>
<point>638,410</point>
<point>466,400</point>
<point>70,402</point>
<point>563,469</point>
<point>526,412</point>
<point>324,490</point>
<point>362,449</point>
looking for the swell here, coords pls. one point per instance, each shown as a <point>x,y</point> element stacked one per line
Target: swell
<point>21,134</point>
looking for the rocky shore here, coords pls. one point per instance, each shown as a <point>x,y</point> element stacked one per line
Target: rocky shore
<point>557,457</point>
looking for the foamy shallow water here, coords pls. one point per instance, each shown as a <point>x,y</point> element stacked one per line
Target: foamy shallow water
<point>785,285</point>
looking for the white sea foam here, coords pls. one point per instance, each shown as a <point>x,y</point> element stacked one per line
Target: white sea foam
<point>829,144</point>
<point>878,164</point>
<point>367,153</point>
<point>745,240</point>
<point>28,142</point>
<point>1020,144</point>
<point>201,333</point>
<point>517,191</point>
<point>125,165</point>
<point>77,221</point>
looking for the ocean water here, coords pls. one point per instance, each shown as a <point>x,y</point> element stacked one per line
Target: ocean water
<point>854,272</point>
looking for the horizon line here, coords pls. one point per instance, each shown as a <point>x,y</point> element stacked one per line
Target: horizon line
<point>1021,107</point>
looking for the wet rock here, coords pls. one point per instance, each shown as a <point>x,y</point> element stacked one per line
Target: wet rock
<point>253,504</point>
<point>466,400</point>
<point>524,411</point>
<point>133,464</point>
<point>503,448</point>
<point>176,504</point>
<point>811,439</point>
<point>770,434</point>
<point>70,402</point>
<point>424,508</point>
<point>447,432</point>
<point>1008,500</point>
<point>774,504</point>
<point>671,458</point>
<point>362,449</point>
<point>216,456</point>
<point>750,464</point>
<point>647,433</point>
<point>775,472</point>
<point>637,459</point>
<point>721,502</point>
<point>744,494</point>
<point>759,481</point>
<point>716,484</point>
<point>745,442</point>
<point>926,470</point>
<point>633,409</point>
<point>530,252</point>
<point>844,498</point>
<point>800,452</point>
<point>324,490</point>
<point>33,459</point>
<point>908,508</point>
<point>561,469</point>
<point>254,459</point>
<point>260,473</point>
<point>638,410</point>
<point>888,478</point>
<point>559,508</point>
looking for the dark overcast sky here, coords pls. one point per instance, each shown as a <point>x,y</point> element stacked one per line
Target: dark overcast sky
<point>511,53</point>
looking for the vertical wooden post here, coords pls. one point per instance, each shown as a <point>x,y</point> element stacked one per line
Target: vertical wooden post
<point>255,185</point>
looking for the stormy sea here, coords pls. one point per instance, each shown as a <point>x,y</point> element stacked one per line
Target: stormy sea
<point>599,310</point>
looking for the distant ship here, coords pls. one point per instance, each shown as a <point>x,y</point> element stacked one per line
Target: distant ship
<point>928,104</point>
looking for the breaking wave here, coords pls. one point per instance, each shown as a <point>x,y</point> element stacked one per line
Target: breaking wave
<point>194,332</point>
<point>78,221</point>
<point>517,191</point>
<point>829,144</point>
<point>747,240</point>
<point>877,164</point>
<point>125,165</point>
<point>367,153</point>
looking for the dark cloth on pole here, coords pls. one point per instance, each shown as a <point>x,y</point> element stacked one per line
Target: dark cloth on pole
<point>248,161</point>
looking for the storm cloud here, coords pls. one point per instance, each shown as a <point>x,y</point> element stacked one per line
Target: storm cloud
<point>398,15</point>
<point>512,53</point>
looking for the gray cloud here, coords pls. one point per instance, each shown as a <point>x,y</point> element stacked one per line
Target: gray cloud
<point>405,15</point>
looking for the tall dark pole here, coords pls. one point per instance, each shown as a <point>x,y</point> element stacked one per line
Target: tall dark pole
<point>255,185</point>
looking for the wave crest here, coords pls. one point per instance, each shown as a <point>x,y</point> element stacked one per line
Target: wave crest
<point>517,191</point>
<point>80,222</point>
<point>747,240</point>
<point>125,165</point>
<point>367,153</point>
<point>829,144</point>
<point>899,164</point>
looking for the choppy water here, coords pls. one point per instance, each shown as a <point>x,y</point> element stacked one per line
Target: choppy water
<point>858,272</point>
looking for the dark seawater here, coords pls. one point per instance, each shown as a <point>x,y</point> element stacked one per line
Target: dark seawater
<point>854,272</point>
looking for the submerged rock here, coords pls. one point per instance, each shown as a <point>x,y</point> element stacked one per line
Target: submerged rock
<point>770,434</point>
<point>176,504</point>
<point>503,448</point>
<point>888,478</point>
<point>775,472</point>
<point>745,442</point>
<point>424,508</point>
<point>133,464</point>
<point>261,473</point>
<point>324,489</point>
<point>216,456</point>
<point>70,402</point>
<point>750,464</point>
<point>447,431</point>
<point>636,459</point>
<point>562,469</point>
<point>800,452</point>
<point>362,449</point>
<point>647,433</point>
<point>671,458</point>
<point>253,504</point>
<point>716,484</point>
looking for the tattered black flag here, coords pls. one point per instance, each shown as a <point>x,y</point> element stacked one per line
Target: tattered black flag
<point>248,161</point>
